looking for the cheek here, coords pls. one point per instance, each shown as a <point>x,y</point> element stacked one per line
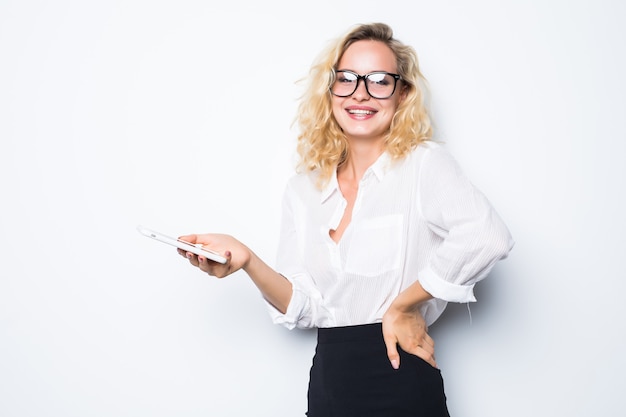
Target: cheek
<point>335,105</point>
<point>393,106</point>
<point>337,110</point>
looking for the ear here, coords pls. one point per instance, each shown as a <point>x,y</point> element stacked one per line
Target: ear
<point>404,92</point>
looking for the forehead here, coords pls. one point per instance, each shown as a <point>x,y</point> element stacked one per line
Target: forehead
<point>367,56</point>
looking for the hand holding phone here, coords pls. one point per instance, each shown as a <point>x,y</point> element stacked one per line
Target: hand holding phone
<point>187,246</point>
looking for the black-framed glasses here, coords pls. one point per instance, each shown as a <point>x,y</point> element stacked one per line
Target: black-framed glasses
<point>379,84</point>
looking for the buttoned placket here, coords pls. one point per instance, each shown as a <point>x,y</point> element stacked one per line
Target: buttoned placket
<point>333,248</point>
<point>339,212</point>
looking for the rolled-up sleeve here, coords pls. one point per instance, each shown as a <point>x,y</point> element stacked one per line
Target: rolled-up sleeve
<point>305,310</point>
<point>470,236</point>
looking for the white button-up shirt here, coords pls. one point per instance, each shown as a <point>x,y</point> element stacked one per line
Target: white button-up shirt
<point>418,218</point>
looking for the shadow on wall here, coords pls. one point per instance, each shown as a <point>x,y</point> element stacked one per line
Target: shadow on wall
<point>492,295</point>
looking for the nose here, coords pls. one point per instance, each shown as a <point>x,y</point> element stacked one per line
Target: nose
<point>361,93</point>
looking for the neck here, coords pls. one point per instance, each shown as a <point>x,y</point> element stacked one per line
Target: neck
<point>360,158</point>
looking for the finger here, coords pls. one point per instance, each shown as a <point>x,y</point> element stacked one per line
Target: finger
<point>418,350</point>
<point>426,355</point>
<point>429,340</point>
<point>423,348</point>
<point>204,264</point>
<point>392,350</point>
<point>226,269</point>
<point>189,238</point>
<point>425,352</point>
<point>183,252</point>
<point>193,259</point>
<point>428,345</point>
<point>215,268</point>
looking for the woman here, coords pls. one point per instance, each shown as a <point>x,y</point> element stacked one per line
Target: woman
<point>380,231</point>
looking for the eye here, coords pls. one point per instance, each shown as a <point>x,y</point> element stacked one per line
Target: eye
<point>381,79</point>
<point>346,77</point>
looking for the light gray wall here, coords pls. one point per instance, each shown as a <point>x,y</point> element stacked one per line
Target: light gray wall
<point>177,115</point>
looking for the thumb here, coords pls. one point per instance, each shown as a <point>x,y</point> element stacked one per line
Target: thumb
<point>189,238</point>
<point>392,351</point>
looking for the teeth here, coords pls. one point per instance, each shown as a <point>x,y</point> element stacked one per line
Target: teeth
<point>356,111</point>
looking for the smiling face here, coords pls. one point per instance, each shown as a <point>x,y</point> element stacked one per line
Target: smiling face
<point>361,116</point>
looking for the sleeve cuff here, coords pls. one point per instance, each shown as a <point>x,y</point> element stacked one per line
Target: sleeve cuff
<point>291,316</point>
<point>445,290</point>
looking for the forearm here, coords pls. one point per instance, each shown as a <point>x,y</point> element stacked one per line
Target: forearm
<point>410,299</point>
<point>276,289</point>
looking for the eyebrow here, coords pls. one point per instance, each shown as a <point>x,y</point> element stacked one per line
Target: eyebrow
<point>369,72</point>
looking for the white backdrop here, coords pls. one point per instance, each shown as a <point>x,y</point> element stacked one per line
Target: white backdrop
<point>177,115</point>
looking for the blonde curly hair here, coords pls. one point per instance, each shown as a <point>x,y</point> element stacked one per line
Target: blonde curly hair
<point>322,145</point>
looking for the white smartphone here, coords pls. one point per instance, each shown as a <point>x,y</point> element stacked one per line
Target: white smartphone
<point>189,247</point>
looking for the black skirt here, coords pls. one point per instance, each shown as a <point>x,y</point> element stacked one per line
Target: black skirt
<point>352,376</point>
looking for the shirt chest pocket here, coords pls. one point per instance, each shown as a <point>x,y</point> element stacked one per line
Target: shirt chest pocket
<point>376,246</point>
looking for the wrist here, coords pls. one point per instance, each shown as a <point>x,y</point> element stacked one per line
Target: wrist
<point>248,260</point>
<point>401,306</point>
<point>409,300</point>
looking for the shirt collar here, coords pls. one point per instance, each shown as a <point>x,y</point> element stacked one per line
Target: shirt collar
<point>381,166</point>
<point>379,169</point>
<point>330,188</point>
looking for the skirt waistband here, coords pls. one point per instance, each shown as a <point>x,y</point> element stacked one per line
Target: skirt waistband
<point>361,332</point>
